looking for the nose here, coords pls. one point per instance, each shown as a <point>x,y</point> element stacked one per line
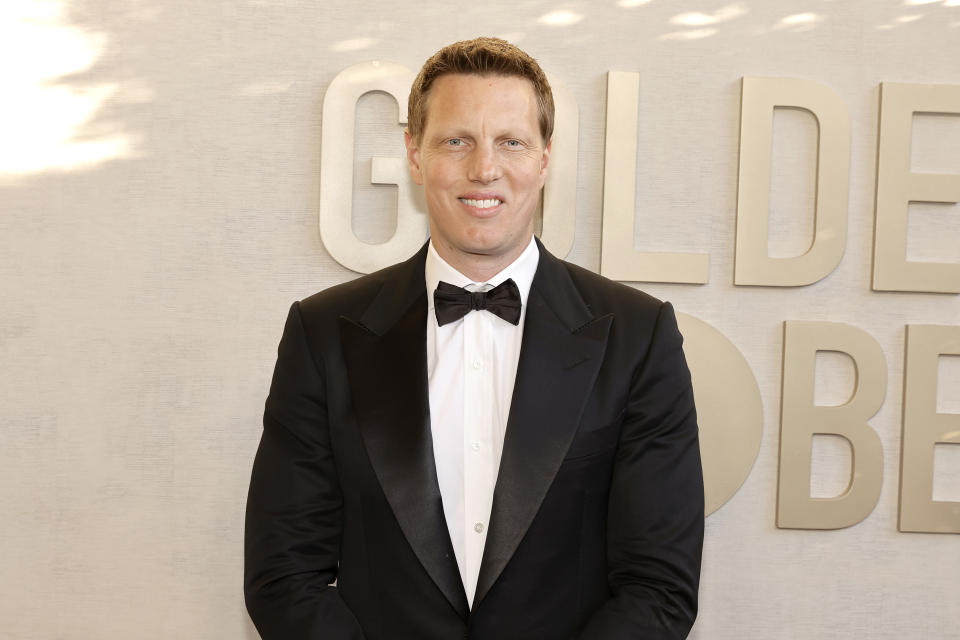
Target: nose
<point>484,166</point>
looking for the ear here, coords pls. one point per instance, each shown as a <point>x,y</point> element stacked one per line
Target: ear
<point>544,161</point>
<point>413,157</point>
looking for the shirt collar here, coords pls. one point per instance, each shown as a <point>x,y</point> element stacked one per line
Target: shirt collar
<point>521,270</point>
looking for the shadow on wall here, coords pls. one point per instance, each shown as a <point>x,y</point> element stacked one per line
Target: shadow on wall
<point>92,82</point>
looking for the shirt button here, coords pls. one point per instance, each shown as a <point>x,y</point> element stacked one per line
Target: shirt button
<point>475,446</point>
<point>477,364</point>
<point>478,527</point>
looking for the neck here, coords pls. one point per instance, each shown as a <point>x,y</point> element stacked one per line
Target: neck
<point>480,267</point>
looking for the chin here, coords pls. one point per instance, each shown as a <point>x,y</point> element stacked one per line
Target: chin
<point>484,246</point>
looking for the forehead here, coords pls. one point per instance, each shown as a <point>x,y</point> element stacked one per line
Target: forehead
<point>462,99</point>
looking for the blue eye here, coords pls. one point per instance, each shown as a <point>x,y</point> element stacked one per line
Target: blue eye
<point>455,142</point>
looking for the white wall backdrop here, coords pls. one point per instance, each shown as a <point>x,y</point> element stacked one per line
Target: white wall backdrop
<point>159,187</point>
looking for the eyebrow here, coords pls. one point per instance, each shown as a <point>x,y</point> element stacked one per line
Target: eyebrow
<point>511,134</point>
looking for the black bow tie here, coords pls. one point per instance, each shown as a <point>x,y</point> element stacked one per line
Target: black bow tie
<point>452,303</point>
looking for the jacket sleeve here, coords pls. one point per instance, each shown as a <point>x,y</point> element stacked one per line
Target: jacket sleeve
<point>294,507</point>
<point>655,514</point>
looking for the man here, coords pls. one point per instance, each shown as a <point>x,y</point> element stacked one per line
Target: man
<point>464,466</point>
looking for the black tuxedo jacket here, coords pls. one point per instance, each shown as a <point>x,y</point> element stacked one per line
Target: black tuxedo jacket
<point>597,520</point>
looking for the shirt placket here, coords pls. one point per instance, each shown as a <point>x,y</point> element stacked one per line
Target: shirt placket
<point>477,444</point>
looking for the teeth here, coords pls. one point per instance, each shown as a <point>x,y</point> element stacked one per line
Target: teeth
<point>480,204</point>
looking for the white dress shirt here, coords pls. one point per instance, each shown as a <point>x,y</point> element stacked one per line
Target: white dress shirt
<point>471,368</point>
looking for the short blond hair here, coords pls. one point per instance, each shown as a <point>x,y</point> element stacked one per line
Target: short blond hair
<point>480,56</point>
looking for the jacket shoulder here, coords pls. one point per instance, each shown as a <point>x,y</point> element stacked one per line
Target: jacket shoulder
<point>604,295</point>
<point>349,298</point>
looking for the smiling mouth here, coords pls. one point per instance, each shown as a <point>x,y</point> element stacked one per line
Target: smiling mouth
<point>486,203</point>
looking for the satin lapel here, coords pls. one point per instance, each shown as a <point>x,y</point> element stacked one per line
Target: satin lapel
<point>563,346</point>
<point>385,354</point>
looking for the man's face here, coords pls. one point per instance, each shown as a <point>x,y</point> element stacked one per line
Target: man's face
<point>482,163</point>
